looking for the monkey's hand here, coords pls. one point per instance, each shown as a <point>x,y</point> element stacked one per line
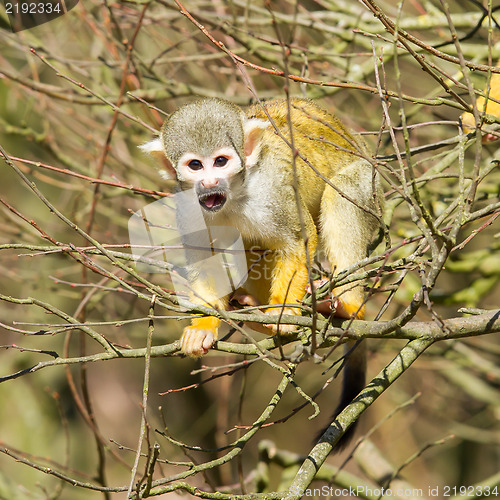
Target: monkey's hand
<point>199,337</point>
<point>244,298</point>
<point>280,328</point>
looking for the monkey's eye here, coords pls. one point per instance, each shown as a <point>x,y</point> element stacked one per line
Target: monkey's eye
<point>195,165</point>
<point>220,161</point>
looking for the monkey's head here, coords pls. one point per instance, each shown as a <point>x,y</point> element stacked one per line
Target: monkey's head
<point>208,145</point>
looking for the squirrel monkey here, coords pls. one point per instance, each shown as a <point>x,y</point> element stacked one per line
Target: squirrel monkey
<point>245,175</point>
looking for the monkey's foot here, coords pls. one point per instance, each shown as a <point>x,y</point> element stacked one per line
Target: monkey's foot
<point>316,284</point>
<point>324,305</point>
<point>198,338</point>
<point>282,329</point>
<point>342,308</point>
<point>348,311</point>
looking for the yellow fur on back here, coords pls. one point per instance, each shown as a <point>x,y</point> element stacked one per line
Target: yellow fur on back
<point>318,136</point>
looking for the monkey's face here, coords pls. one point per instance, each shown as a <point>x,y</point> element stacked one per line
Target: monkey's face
<point>209,145</point>
<point>210,175</point>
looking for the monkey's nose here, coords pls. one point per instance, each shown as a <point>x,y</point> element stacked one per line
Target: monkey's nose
<point>209,183</point>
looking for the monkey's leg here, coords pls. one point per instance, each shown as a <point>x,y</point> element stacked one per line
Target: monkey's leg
<point>346,231</point>
<point>290,278</point>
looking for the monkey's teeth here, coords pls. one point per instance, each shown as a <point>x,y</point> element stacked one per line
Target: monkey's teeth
<point>213,201</point>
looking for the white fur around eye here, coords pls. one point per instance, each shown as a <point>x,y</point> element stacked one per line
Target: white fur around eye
<point>185,173</point>
<point>232,166</point>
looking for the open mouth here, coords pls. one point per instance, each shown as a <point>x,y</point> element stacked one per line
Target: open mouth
<point>212,201</point>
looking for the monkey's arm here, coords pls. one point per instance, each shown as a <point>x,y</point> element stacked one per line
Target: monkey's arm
<point>291,274</point>
<point>290,277</point>
<point>201,334</point>
<point>204,279</point>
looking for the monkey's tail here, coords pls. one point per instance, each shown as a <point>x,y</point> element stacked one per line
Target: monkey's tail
<point>353,382</point>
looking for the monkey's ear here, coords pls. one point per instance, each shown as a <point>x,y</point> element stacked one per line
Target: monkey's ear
<point>155,148</point>
<point>253,129</point>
